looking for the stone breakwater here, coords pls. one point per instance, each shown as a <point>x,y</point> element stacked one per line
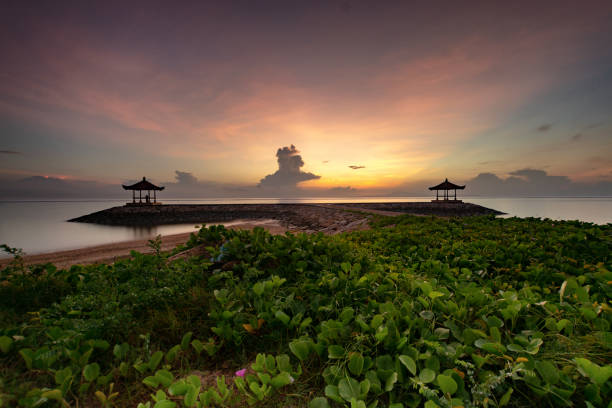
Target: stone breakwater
<point>327,218</point>
<point>426,208</point>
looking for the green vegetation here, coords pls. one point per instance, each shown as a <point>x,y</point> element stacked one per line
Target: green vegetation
<point>417,311</point>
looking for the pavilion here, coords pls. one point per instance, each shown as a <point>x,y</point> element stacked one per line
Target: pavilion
<point>446,186</point>
<point>141,186</point>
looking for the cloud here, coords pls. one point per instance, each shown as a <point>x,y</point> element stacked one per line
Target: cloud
<point>183,177</point>
<point>289,172</point>
<point>526,182</point>
<point>356,167</point>
<point>43,187</point>
<point>534,183</point>
<point>577,137</point>
<point>187,185</point>
<point>594,125</point>
<point>9,152</point>
<point>544,128</point>
<point>342,191</point>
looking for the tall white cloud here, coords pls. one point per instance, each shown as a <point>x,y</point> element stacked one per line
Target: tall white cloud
<point>289,172</point>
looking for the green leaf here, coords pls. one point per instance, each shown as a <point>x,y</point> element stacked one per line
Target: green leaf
<point>281,380</point>
<point>547,371</point>
<point>260,363</point>
<point>381,333</point>
<point>494,321</point>
<point>5,344</point>
<point>515,348</point>
<point>534,346</point>
<point>505,399</point>
<point>377,320</point>
<point>447,384</point>
<point>427,314</point>
<point>349,388</point>
<point>283,317</point>
<point>598,374</point>
<point>198,346</point>
<point>100,344</point>
<point>562,324</point>
<point>319,402</point>
<point>104,379</point>
<point>165,404</point>
<point>53,395</point>
<point>427,375</point>
<point>355,363</point>
<point>283,363</point>
<point>331,391</point>
<point>364,388</point>
<point>493,348</point>
<point>409,363</point>
<point>178,388</point>
<point>357,403</point>
<point>375,384</point>
<point>91,371</point>
<point>335,352</point>
<point>221,385</point>
<point>121,351</point>
<point>191,397</point>
<point>264,377</point>
<point>62,375</point>
<point>164,377</point>
<point>300,348</point>
<point>270,364</point>
<point>156,358</point>
<point>27,355</point>
<point>151,381</point>
<point>160,395</point>
<point>258,288</point>
<point>172,353</point>
<point>347,315</point>
<point>434,294</point>
<point>390,382</point>
<point>185,341</point>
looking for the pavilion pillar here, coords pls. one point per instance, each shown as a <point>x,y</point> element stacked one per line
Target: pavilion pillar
<point>133,196</point>
<point>154,196</point>
<point>437,191</point>
<point>140,196</point>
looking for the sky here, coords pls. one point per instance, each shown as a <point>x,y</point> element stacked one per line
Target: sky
<point>306,97</point>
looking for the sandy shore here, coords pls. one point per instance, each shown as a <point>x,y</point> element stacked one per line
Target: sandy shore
<point>276,218</point>
<point>108,253</point>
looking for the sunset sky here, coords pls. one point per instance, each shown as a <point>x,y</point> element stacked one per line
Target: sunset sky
<point>401,91</point>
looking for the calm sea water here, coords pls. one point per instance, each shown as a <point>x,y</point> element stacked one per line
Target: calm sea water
<point>40,226</point>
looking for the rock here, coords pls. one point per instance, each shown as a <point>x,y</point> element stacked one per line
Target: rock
<point>329,218</point>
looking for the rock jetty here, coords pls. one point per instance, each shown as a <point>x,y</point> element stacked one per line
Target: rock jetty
<point>327,218</point>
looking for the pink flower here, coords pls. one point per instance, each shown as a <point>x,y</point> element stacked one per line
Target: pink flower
<point>241,373</point>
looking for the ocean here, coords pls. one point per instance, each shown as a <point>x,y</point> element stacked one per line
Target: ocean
<point>40,226</point>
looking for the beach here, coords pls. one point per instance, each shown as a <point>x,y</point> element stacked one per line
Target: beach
<point>109,253</point>
<point>275,218</point>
